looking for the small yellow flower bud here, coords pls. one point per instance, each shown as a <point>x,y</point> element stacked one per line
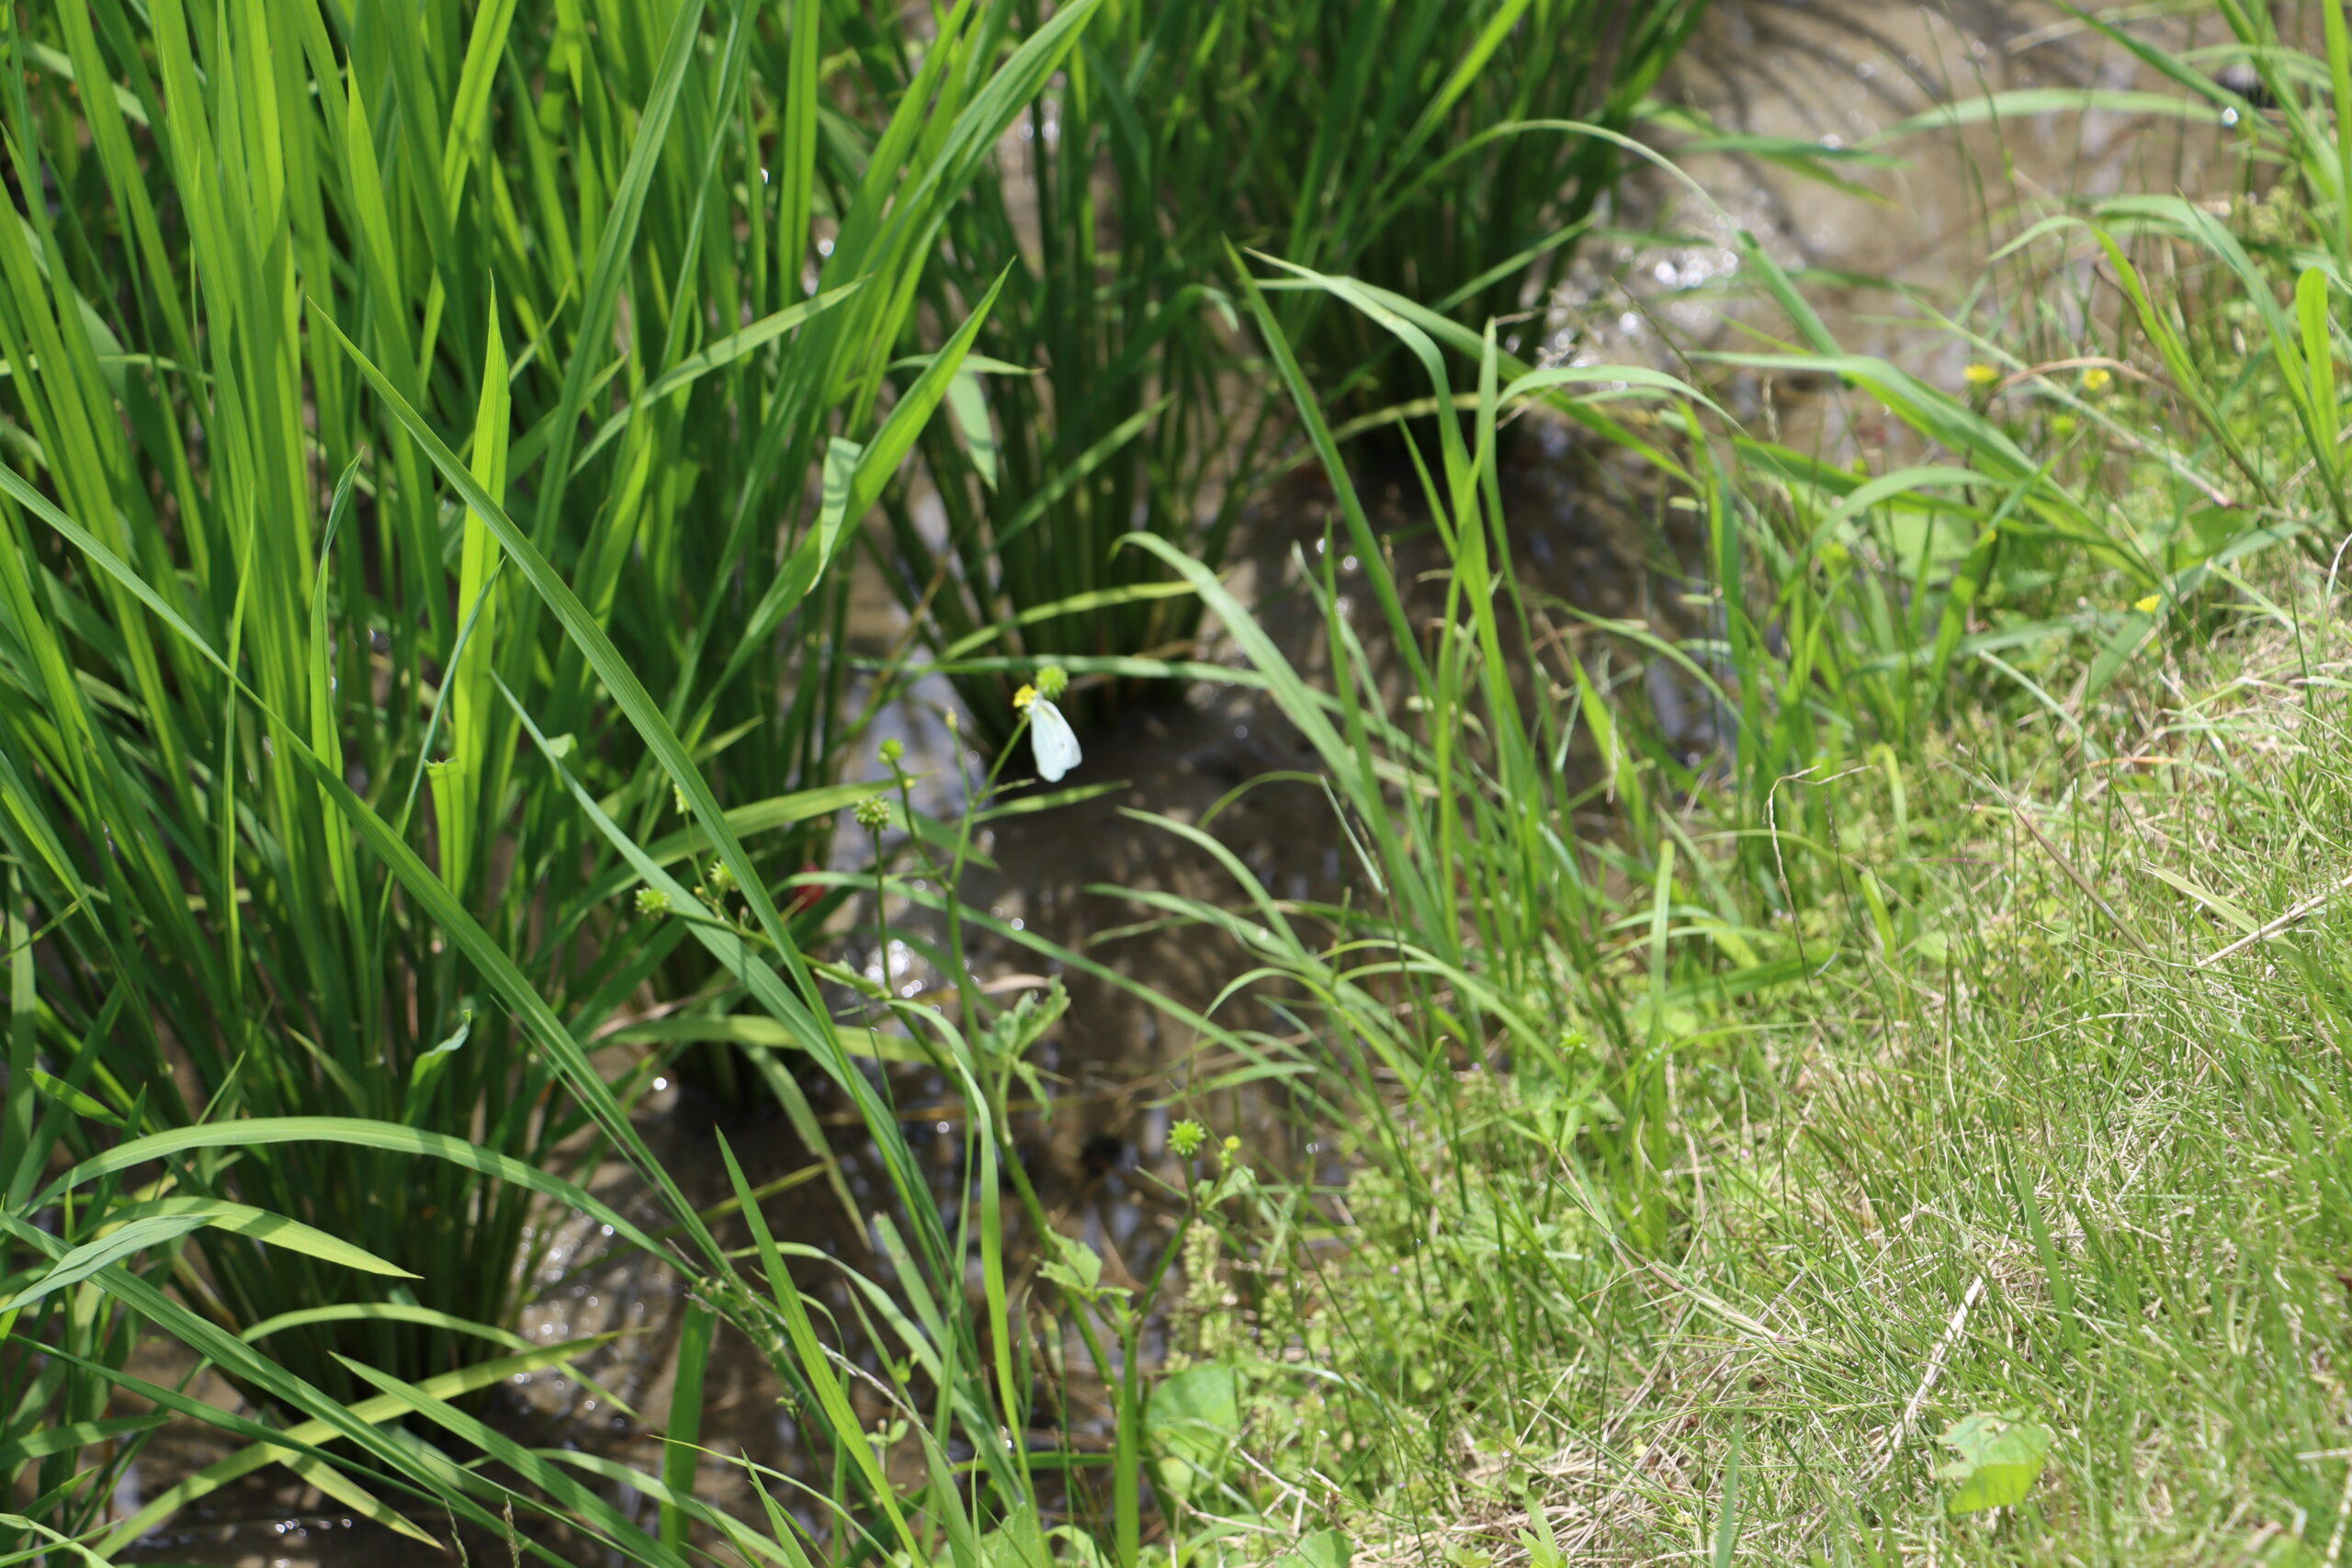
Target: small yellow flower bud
<point>1022,698</point>
<point>1981,375</point>
<point>2097,379</point>
<point>2149,605</point>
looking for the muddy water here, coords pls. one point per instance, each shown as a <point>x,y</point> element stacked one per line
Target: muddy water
<point>1830,72</point>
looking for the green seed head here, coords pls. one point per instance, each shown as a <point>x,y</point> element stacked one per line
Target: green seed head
<point>1052,682</point>
<point>1186,1138</point>
<point>872,813</point>
<point>652,901</point>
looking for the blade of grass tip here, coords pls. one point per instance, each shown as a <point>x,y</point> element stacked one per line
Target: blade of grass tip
<point>1727,1521</point>
<point>2339,76</point>
<point>470,704</point>
<point>243,1219</point>
<point>1654,1153</point>
<point>1367,543</point>
<point>325,732</point>
<point>2319,361</point>
<point>682,1457</point>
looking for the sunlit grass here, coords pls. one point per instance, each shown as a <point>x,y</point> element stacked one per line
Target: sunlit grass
<point>434,454</point>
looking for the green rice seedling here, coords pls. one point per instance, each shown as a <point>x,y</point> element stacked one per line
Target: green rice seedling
<point>1436,151</point>
<point>1489,933</point>
<point>1430,148</point>
<point>270,255</point>
<point>1106,401</point>
<point>273,894</point>
<point>88,1262</point>
<point>937,1371</point>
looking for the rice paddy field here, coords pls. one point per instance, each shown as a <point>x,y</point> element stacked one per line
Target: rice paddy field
<point>1268,784</point>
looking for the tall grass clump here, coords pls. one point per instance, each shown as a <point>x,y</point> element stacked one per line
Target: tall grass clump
<point>270,265</point>
<point>1432,149</point>
<point>1761,1114</point>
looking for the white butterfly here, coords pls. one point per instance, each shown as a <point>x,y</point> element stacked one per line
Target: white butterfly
<point>1051,741</point>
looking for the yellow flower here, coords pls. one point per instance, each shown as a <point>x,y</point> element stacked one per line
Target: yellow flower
<point>2149,605</point>
<point>2097,379</point>
<point>1022,698</point>
<point>1981,375</point>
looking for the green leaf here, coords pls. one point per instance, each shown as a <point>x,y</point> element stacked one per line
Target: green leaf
<point>1321,1549</point>
<point>1192,1420</point>
<point>276,1229</point>
<point>971,411</point>
<point>1999,1459</point>
<point>91,1257</point>
<point>2211,900</point>
<point>344,1130</point>
<point>433,1060</point>
<point>2029,101</point>
<point>1078,1270</point>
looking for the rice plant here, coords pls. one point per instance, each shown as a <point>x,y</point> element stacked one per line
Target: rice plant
<point>265,251</point>
<point>1439,151</point>
<point>93,1262</point>
<point>1432,149</point>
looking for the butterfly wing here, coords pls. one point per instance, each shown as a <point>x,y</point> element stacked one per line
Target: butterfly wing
<point>1052,741</point>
